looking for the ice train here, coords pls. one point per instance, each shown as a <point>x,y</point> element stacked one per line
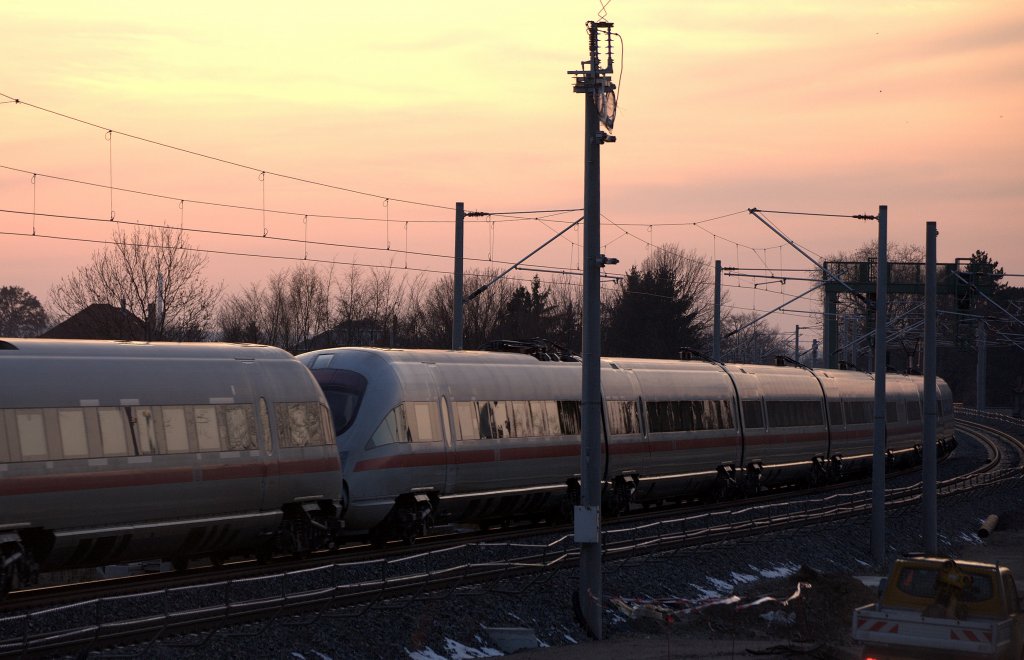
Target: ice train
<point>119,451</point>
<point>427,436</point>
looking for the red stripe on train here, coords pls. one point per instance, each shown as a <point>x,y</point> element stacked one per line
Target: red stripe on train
<point>64,482</point>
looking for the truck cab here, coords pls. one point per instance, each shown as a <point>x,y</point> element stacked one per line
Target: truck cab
<point>941,608</point>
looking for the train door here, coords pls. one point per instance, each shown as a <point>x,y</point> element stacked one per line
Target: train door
<point>448,437</point>
<point>441,394</point>
<point>269,483</point>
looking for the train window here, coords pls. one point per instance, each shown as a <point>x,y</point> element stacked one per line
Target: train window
<point>523,419</point>
<point>73,440</point>
<point>913,411</point>
<point>144,428</point>
<point>794,413</point>
<point>31,434</point>
<point>662,416</point>
<point>545,417</point>
<point>485,412</point>
<point>299,424</point>
<point>469,423</point>
<point>502,419</point>
<point>112,432</point>
<point>658,416</point>
<point>325,424</point>
<point>753,414</point>
<point>718,415</point>
<point>241,427</point>
<point>622,418</point>
<point>344,390</point>
<point>422,422</point>
<point>892,411</point>
<point>322,361</point>
<point>175,430</point>
<point>393,429</point>
<point>669,416</point>
<point>859,412</point>
<point>207,428</point>
<point>569,417</point>
<point>835,413</point>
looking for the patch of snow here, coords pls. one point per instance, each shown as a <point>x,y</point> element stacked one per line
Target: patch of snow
<point>493,652</point>
<point>569,638</point>
<point>459,651</point>
<point>296,654</point>
<point>426,654</point>
<point>743,578</point>
<point>779,571</point>
<point>705,592</point>
<point>721,585</point>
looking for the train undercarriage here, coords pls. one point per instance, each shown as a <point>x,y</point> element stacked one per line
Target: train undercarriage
<point>415,513</point>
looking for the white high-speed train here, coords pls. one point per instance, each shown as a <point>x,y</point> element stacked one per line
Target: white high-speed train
<point>428,436</point>
<point>121,451</point>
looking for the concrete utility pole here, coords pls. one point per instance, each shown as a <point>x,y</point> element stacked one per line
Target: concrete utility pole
<point>929,451</point>
<point>716,345</point>
<point>879,457</point>
<point>457,319</point>
<point>594,82</point>
<point>814,353</point>
<point>982,340</point>
<point>796,345</point>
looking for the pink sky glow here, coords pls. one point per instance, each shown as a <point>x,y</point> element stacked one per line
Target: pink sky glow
<point>817,106</point>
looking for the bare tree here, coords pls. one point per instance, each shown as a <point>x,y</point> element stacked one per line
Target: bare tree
<point>751,343</point>
<point>856,313</point>
<point>21,313</point>
<point>290,311</point>
<point>240,317</point>
<point>143,267</point>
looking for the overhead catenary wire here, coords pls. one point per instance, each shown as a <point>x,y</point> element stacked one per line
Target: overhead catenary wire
<point>216,232</point>
<point>224,161</point>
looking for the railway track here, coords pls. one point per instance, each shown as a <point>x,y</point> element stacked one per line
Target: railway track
<point>328,585</point>
<point>440,539</point>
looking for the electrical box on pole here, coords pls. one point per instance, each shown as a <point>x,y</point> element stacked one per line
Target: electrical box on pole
<point>593,81</point>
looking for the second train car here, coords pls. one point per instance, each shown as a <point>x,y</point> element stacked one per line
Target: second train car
<point>427,436</point>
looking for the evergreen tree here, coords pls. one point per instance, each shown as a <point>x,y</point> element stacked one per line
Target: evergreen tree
<point>652,316</point>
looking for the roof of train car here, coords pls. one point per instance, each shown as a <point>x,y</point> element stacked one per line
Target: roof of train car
<point>135,349</point>
<point>444,356</point>
<point>441,356</point>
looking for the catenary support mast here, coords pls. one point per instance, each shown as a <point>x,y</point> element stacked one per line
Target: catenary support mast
<point>594,82</point>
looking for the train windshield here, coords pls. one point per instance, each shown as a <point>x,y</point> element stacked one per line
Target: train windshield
<point>344,391</point>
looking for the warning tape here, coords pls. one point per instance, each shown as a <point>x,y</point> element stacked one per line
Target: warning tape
<point>670,609</point>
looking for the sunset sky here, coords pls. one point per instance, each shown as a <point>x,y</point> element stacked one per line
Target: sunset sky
<point>834,107</point>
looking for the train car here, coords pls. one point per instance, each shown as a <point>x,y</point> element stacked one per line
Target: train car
<point>122,451</point>
<point>469,436</point>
